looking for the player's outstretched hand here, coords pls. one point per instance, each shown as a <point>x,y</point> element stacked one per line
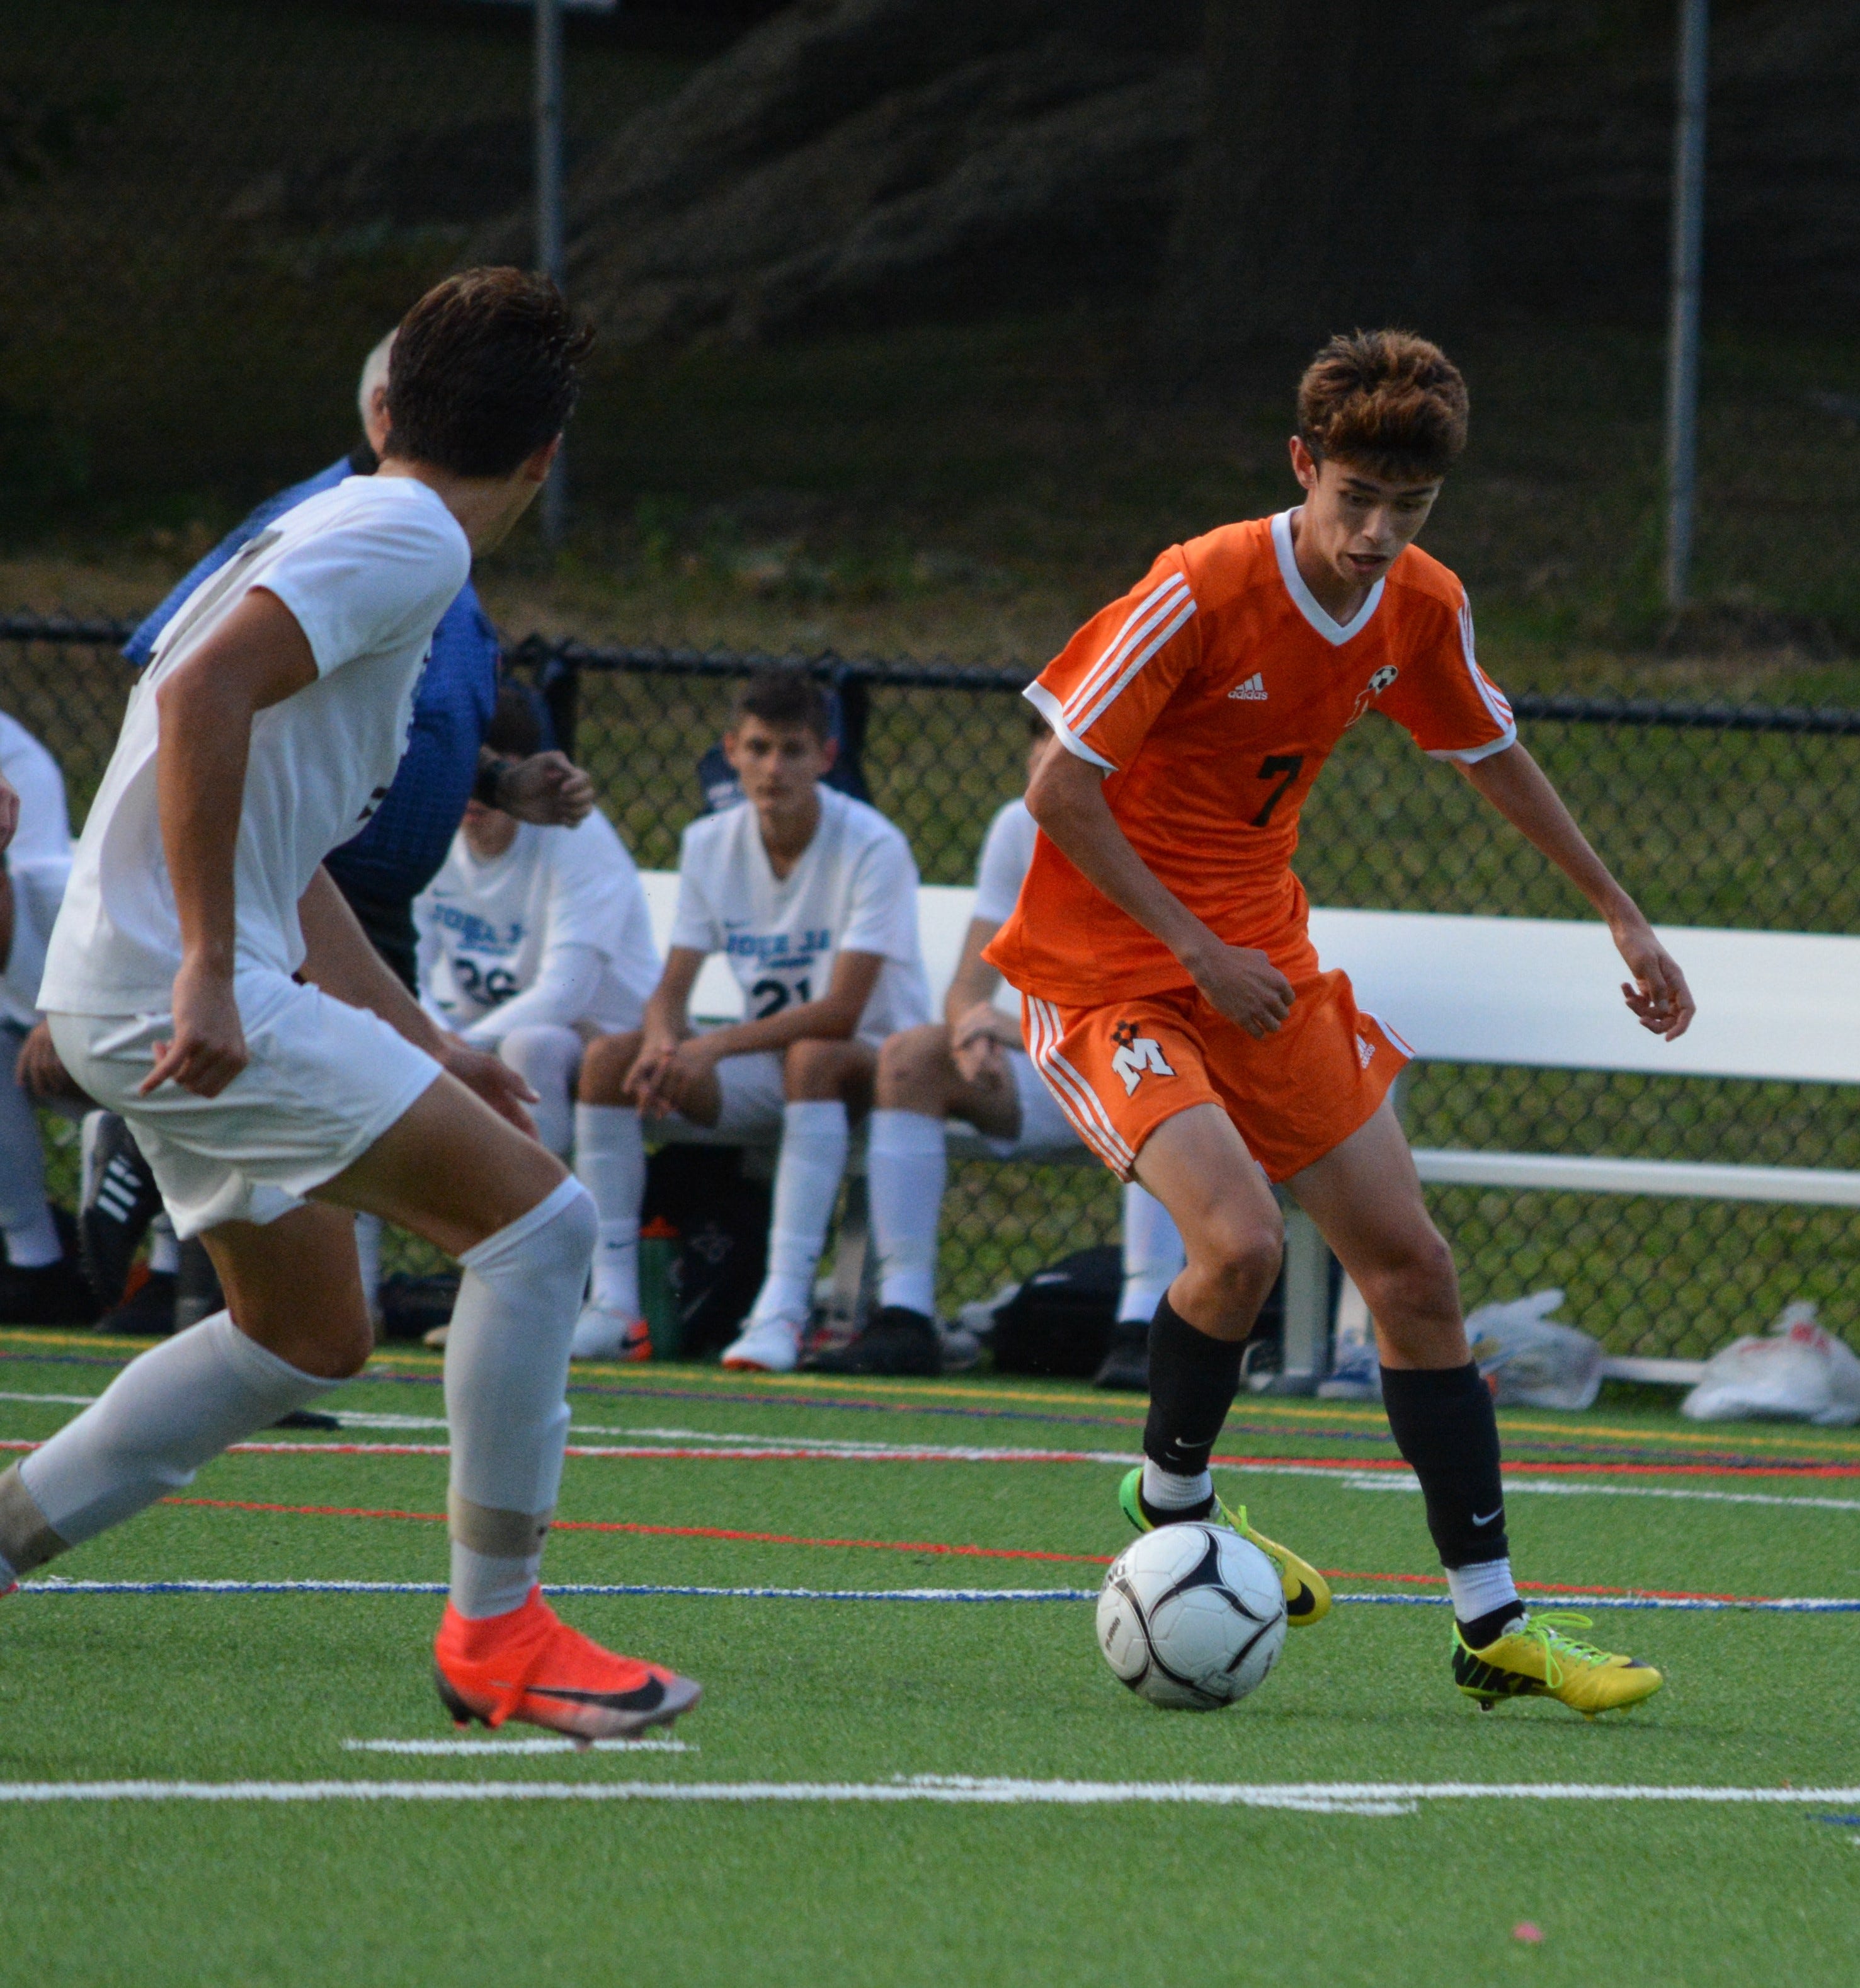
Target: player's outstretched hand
<point>493,1079</point>
<point>548,789</point>
<point>1243,984</point>
<point>1661,1001</point>
<point>9,814</point>
<point>207,1049</point>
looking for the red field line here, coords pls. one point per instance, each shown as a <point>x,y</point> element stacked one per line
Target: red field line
<point>663,1531</point>
<point>1549,1588</point>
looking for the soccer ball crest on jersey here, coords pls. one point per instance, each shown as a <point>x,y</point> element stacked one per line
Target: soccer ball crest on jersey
<point>1192,1617</point>
<point>1372,690</point>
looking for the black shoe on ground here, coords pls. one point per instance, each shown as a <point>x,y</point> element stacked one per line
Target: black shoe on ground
<point>196,1288</point>
<point>49,1294</point>
<point>117,1200</point>
<point>148,1311</point>
<point>897,1341</point>
<point>1126,1365</point>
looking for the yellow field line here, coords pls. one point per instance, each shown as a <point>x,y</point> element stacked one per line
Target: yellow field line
<point>1296,1413</point>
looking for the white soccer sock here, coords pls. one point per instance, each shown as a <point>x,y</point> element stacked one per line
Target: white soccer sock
<point>164,1248</point>
<point>546,1057</point>
<point>611,1159</point>
<point>368,1256</point>
<point>506,1377</point>
<point>815,1136</point>
<point>31,1238</point>
<point>169,1411</point>
<point>1153,1255</point>
<point>1163,1491</point>
<point>1479,1589</point>
<point>906,1167</point>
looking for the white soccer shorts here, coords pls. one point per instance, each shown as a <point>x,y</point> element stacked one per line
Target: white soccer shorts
<point>324,1082</point>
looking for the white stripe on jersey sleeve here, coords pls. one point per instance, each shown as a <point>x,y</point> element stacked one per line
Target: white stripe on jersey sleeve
<point>1178,620</point>
<point>1490,695</point>
<point>1050,709</point>
<point>1143,618</point>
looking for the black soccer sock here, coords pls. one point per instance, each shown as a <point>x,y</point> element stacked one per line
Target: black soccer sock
<point>1444,1425</point>
<point>1193,1379</point>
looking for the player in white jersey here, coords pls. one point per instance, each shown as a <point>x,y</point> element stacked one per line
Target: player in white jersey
<point>206,980</point>
<point>811,897</point>
<point>39,1283</point>
<point>533,940</point>
<point>971,1066</point>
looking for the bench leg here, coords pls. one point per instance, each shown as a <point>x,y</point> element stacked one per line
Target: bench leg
<point>1306,1358</point>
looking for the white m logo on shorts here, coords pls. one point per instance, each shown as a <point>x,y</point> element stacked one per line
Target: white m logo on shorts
<point>1140,1054</point>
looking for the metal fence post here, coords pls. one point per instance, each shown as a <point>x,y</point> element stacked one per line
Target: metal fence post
<point>549,212</point>
<point>1688,257</point>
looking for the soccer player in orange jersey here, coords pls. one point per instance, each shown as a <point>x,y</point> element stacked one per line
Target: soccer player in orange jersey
<point>1173,1000</point>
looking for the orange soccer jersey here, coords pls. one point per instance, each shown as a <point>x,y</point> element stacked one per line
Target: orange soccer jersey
<point>1213,694</point>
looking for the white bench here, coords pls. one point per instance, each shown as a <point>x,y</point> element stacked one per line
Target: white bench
<point>1540,992</point>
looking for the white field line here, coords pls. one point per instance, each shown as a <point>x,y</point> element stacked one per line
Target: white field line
<point>754,1448</point>
<point>1361,1798</point>
<point>59,1401</point>
<point>446,1749</point>
<point>51,1585</point>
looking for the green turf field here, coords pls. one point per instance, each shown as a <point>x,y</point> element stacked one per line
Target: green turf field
<point>788,1835</point>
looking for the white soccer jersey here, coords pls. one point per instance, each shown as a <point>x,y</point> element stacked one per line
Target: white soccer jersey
<point>1007,850</point>
<point>367,568</point>
<point>855,890</point>
<point>556,929</point>
<point>38,860</point>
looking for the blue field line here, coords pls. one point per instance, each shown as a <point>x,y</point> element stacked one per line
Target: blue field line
<point>1798,1605</point>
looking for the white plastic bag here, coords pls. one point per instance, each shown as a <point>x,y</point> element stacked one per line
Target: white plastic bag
<point>1532,1360</point>
<point>1798,1372</point>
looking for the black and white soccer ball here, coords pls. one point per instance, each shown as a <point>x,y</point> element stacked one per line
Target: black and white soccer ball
<point>1192,1616</point>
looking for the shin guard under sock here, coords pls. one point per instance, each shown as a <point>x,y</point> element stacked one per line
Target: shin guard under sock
<point>1193,1379</point>
<point>1444,1425</point>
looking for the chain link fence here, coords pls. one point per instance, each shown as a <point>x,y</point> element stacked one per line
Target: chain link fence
<point>1710,816</point>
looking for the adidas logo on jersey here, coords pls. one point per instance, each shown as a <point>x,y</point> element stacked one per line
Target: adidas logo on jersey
<point>1253,689</point>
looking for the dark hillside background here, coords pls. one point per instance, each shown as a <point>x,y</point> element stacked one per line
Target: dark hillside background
<point>908,300</point>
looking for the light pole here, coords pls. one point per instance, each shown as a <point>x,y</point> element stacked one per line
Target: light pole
<point>549,210</point>
<point>1682,341</point>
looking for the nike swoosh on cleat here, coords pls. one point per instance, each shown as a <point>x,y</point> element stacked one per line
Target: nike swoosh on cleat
<point>1302,1603</point>
<point>648,1697</point>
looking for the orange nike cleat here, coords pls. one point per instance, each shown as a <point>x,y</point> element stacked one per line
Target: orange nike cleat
<point>530,1665</point>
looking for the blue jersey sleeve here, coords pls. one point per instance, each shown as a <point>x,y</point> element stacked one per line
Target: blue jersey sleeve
<point>399,853</point>
<point>141,645</point>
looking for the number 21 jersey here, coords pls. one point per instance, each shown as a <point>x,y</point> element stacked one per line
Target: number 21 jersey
<point>1212,694</point>
<point>855,890</point>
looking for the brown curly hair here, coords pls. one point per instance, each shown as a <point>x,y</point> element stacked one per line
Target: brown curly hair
<point>1389,402</point>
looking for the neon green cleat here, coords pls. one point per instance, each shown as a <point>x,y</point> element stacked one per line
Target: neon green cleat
<point>1539,1660</point>
<point>1307,1593</point>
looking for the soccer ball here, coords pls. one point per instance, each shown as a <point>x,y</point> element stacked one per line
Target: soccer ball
<point>1192,1616</point>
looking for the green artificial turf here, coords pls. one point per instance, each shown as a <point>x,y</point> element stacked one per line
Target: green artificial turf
<point>215,1688</point>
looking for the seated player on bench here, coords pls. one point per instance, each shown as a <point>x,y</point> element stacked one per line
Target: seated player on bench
<point>811,896</point>
<point>533,940</point>
<point>971,1066</point>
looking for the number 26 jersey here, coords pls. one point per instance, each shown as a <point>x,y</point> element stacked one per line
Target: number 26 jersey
<point>1212,694</point>
<point>855,890</point>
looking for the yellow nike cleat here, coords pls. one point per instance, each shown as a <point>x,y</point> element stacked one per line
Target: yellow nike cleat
<point>1539,1660</point>
<point>1307,1593</point>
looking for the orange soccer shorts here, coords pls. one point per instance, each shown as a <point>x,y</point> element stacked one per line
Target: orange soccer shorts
<point>1119,1070</point>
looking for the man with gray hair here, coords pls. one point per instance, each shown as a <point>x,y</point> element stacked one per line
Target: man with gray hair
<point>384,868</point>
